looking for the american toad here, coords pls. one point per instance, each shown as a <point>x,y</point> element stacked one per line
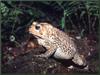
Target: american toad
<point>57,43</point>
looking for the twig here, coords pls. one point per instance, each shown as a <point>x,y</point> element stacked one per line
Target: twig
<point>93,24</point>
<point>84,22</point>
<point>88,15</point>
<point>73,25</point>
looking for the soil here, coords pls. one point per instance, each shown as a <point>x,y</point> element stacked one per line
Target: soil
<point>22,60</point>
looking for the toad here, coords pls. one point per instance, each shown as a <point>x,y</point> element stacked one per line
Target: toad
<point>57,43</point>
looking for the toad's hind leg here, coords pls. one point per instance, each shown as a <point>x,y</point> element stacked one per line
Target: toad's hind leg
<point>79,60</point>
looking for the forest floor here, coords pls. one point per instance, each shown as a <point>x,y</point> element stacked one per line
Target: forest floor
<point>22,60</point>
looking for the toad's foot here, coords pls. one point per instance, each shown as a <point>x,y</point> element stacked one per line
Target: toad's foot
<point>79,60</point>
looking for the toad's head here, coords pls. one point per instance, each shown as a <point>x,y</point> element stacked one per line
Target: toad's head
<point>41,30</point>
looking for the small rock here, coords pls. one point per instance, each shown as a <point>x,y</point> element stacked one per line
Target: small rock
<point>71,67</point>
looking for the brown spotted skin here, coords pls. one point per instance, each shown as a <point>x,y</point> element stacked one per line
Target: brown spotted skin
<point>56,42</point>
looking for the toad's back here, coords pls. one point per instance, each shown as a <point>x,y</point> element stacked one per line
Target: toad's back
<point>65,47</point>
<point>56,42</point>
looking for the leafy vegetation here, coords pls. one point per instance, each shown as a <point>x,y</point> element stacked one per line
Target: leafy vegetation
<point>70,15</point>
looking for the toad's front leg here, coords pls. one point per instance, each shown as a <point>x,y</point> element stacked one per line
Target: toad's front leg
<point>48,53</point>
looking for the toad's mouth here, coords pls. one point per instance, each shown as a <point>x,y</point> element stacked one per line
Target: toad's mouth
<point>37,36</point>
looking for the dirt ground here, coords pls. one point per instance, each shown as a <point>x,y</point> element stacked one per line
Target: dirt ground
<point>22,60</point>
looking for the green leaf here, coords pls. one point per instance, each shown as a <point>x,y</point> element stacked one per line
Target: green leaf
<point>62,22</point>
<point>46,2</point>
<point>82,32</point>
<point>30,12</point>
<point>17,12</point>
<point>82,14</point>
<point>59,2</point>
<point>4,10</point>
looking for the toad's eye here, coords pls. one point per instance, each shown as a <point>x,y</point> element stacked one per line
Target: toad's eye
<point>37,27</point>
